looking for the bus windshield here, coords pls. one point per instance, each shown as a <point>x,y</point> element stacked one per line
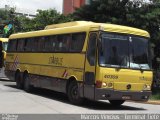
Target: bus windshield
<point>124,51</point>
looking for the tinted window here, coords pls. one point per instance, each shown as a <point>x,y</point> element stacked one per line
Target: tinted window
<point>12,45</point>
<point>77,42</point>
<point>40,43</point>
<point>50,43</point>
<point>91,53</point>
<point>28,45</point>
<point>21,43</point>
<point>64,42</point>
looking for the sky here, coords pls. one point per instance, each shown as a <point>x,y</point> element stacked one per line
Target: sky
<point>33,5</point>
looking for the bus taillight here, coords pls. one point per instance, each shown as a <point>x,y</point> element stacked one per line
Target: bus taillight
<point>98,84</point>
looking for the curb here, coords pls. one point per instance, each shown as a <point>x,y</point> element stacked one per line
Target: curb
<point>153,102</point>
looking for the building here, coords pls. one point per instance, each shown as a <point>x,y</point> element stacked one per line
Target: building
<point>20,11</point>
<point>69,6</point>
<point>24,12</point>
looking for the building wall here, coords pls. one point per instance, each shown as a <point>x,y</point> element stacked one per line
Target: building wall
<point>69,6</point>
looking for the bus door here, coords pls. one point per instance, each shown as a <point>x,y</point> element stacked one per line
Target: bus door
<point>1,55</point>
<point>90,67</point>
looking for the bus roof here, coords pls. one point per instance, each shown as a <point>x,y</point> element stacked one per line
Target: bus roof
<point>4,39</point>
<point>81,26</point>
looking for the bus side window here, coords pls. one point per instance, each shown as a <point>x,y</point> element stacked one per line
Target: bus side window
<point>77,42</point>
<point>12,45</point>
<point>64,42</point>
<point>91,52</point>
<point>34,45</point>
<point>40,44</point>
<point>59,43</point>
<point>20,46</point>
<point>28,45</point>
<point>50,43</point>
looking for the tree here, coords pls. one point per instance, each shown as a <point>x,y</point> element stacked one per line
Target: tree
<point>42,19</point>
<point>47,17</point>
<point>23,24</point>
<point>135,13</point>
<point>6,18</point>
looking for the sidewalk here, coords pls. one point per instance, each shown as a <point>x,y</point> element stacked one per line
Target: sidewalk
<point>154,102</point>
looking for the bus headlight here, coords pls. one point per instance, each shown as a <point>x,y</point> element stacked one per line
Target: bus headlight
<point>146,87</point>
<point>104,84</point>
<point>107,85</point>
<point>110,85</point>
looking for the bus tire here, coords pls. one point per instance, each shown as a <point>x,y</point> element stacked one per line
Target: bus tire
<point>18,80</point>
<point>116,103</point>
<point>73,93</point>
<point>27,86</point>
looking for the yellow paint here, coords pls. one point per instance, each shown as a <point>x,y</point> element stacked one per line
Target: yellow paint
<point>125,77</point>
<point>75,64</point>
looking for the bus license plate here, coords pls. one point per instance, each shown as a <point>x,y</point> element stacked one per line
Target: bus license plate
<point>126,97</point>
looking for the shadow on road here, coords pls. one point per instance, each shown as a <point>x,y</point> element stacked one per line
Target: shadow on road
<point>6,80</point>
<point>94,105</point>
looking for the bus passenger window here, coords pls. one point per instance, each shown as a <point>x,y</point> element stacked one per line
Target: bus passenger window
<point>64,42</point>
<point>59,43</point>
<point>29,44</point>
<point>12,45</point>
<point>40,43</point>
<point>21,43</point>
<point>50,43</point>
<point>34,46</point>
<point>77,42</point>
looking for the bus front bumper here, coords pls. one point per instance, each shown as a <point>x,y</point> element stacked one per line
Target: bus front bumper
<point>108,94</point>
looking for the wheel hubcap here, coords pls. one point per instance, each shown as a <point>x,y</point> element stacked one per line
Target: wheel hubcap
<point>75,93</point>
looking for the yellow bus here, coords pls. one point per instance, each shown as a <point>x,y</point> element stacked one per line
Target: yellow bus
<point>83,59</point>
<point>3,49</point>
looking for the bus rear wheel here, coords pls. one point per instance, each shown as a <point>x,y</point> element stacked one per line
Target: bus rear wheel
<point>116,103</point>
<point>73,93</point>
<point>18,80</point>
<point>27,86</point>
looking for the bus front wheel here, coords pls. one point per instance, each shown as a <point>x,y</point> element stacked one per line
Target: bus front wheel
<point>27,86</point>
<point>73,93</point>
<point>116,103</point>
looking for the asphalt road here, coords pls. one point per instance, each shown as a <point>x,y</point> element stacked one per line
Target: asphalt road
<point>41,101</point>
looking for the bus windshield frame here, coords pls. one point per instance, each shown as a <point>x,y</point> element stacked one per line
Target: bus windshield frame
<point>124,51</point>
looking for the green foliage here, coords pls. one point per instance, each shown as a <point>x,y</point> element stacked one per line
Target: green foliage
<point>135,13</point>
<point>24,24</point>
<point>42,19</point>
<point>47,17</point>
<point>155,94</point>
<point>6,17</point>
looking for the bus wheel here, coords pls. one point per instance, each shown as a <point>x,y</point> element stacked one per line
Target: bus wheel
<point>27,86</point>
<point>18,80</point>
<point>116,103</point>
<point>73,93</point>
